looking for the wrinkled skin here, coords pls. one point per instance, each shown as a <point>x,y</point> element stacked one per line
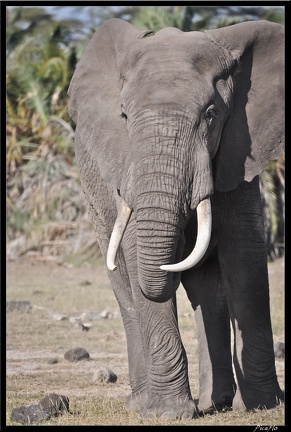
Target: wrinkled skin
<point>165,121</point>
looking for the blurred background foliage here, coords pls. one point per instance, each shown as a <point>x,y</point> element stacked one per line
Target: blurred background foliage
<point>45,212</point>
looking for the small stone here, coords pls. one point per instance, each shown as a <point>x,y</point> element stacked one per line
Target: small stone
<point>107,313</point>
<point>53,361</point>
<point>76,354</point>
<point>85,283</point>
<point>104,375</point>
<point>85,326</point>
<point>58,317</point>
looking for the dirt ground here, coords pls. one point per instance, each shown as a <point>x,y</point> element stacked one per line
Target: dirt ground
<point>62,297</point>
<point>59,295</point>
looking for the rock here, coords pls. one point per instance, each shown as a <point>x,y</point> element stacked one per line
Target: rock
<point>20,306</point>
<point>29,414</point>
<point>85,283</point>
<point>51,405</point>
<point>85,326</point>
<point>53,361</point>
<point>279,350</point>
<point>58,316</point>
<point>104,375</point>
<point>107,313</point>
<point>54,404</point>
<point>76,354</point>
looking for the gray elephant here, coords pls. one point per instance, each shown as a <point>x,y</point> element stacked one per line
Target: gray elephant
<point>172,131</point>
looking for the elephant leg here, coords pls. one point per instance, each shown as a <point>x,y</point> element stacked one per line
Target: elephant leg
<point>138,374</point>
<point>168,392</point>
<point>122,290</point>
<point>205,292</point>
<point>168,385</point>
<point>136,359</point>
<point>243,260</point>
<point>137,367</point>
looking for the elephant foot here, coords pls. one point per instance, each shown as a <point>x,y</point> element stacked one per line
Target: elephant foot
<point>136,402</point>
<point>212,406</point>
<point>256,401</point>
<point>211,402</point>
<point>177,408</point>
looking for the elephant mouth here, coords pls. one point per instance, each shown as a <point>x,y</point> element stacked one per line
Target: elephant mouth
<point>204,222</point>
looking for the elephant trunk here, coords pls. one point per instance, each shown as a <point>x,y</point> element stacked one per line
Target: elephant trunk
<point>159,242</point>
<point>166,190</point>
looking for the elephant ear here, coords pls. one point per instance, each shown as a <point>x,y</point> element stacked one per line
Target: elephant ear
<point>94,94</point>
<point>254,131</point>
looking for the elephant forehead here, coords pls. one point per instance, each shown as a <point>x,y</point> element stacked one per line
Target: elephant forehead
<point>147,83</point>
<point>172,52</point>
<point>192,47</point>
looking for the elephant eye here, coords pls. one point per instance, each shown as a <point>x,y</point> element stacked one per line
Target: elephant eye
<point>123,114</point>
<point>210,113</point>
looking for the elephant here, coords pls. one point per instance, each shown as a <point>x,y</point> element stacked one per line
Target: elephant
<point>172,130</point>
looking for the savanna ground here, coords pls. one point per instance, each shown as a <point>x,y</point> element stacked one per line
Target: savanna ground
<point>33,338</point>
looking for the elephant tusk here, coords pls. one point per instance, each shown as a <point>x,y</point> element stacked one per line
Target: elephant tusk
<point>204,222</point>
<point>123,216</point>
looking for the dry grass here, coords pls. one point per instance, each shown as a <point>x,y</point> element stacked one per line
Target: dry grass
<point>34,338</point>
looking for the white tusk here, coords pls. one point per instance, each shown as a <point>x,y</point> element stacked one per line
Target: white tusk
<point>123,216</point>
<point>204,223</point>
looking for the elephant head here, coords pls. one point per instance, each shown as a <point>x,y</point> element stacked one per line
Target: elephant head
<point>171,117</point>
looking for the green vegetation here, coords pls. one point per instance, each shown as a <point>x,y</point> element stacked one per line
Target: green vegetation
<point>42,188</point>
